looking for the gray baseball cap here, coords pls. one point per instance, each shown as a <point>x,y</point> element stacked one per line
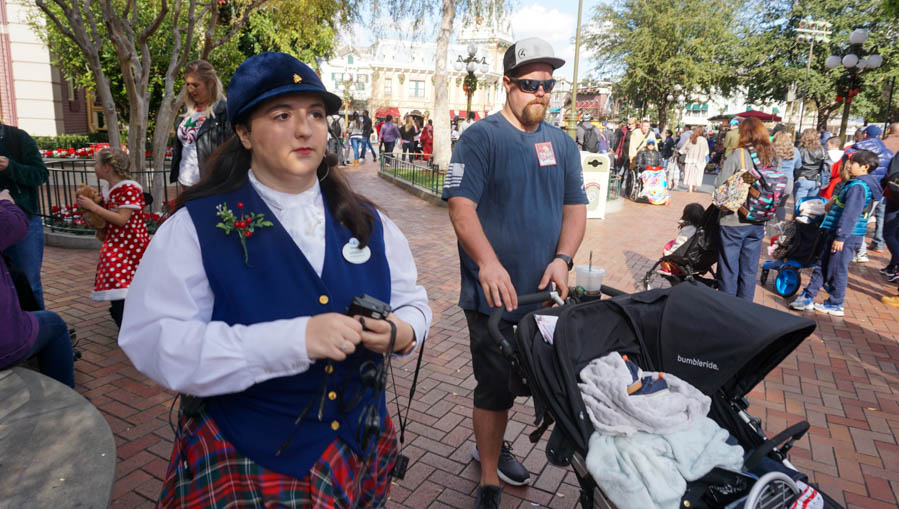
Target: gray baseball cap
<point>530,51</point>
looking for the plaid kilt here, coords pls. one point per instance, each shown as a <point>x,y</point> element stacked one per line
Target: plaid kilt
<point>207,472</point>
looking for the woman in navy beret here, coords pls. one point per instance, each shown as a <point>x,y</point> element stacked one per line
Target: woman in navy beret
<point>282,397</point>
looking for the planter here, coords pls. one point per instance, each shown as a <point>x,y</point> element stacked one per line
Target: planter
<point>70,240</point>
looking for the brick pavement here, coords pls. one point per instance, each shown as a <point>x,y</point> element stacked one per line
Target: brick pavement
<point>841,379</point>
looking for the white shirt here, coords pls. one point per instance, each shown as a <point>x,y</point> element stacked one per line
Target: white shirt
<point>167,330</point>
<point>189,168</point>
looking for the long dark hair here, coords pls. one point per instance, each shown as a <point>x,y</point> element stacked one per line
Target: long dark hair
<point>230,164</point>
<point>692,215</point>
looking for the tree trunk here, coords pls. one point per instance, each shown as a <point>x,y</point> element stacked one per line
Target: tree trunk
<point>442,142</point>
<point>88,42</point>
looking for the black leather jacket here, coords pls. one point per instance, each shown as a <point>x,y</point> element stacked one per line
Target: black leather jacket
<point>812,161</point>
<point>212,134</point>
<point>646,157</point>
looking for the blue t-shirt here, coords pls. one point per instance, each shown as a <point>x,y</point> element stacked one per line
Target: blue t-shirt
<point>519,181</point>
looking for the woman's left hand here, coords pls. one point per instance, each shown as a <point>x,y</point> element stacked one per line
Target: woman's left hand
<point>376,334</point>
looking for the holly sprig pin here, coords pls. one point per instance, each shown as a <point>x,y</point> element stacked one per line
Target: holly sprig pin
<point>244,225</point>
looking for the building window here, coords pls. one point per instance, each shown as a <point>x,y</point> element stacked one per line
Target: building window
<point>70,85</point>
<point>418,88</point>
<point>388,87</point>
<point>360,85</point>
<point>349,59</point>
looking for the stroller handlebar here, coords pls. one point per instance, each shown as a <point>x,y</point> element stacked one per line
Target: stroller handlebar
<point>497,314</point>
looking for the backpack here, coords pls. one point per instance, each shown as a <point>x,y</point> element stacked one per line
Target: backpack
<point>591,140</point>
<point>731,195</point>
<point>335,128</point>
<point>765,192</point>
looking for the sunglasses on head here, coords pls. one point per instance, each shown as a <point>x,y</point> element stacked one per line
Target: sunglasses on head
<point>531,86</point>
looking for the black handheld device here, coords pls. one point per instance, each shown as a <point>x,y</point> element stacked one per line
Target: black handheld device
<point>368,307</point>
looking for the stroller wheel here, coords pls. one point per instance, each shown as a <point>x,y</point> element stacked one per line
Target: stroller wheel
<point>788,282</point>
<point>764,277</point>
<point>659,277</point>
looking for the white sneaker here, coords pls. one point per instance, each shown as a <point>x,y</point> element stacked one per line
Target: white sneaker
<point>861,259</point>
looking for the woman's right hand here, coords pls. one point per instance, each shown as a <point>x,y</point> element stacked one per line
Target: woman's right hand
<point>5,196</point>
<point>332,336</point>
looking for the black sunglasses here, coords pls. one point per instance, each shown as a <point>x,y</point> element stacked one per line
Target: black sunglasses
<point>531,86</point>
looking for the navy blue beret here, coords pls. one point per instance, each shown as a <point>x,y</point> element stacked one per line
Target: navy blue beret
<point>272,74</point>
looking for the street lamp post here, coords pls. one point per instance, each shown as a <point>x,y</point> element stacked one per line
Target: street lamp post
<point>810,32</point>
<point>572,112</point>
<point>856,61</point>
<point>471,64</point>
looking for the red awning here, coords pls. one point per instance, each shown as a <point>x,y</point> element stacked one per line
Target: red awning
<point>761,115</point>
<point>478,115</point>
<point>383,112</point>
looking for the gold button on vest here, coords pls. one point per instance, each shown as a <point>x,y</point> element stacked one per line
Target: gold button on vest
<point>329,369</point>
<point>323,300</point>
<point>332,395</point>
<point>335,425</point>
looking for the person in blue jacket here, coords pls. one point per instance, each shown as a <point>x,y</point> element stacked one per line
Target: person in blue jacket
<point>873,143</point>
<point>240,304</point>
<point>844,229</point>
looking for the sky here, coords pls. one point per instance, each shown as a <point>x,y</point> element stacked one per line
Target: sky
<point>555,22</point>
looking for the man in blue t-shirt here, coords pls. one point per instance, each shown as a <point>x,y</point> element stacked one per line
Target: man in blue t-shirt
<point>517,203</point>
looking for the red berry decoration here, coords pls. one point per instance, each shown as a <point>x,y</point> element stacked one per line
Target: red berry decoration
<point>240,205</point>
<point>247,234</point>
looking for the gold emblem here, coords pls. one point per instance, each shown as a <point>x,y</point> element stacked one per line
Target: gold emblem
<point>297,78</point>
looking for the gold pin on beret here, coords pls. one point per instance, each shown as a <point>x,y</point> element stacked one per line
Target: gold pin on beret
<point>297,78</point>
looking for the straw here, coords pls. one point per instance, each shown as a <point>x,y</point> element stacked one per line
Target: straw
<point>590,263</point>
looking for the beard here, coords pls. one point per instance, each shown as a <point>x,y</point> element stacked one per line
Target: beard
<point>534,112</point>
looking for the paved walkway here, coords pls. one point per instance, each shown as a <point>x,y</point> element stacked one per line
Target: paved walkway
<point>844,379</point>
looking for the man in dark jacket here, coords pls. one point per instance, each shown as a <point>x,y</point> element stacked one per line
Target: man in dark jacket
<point>22,171</point>
<point>873,143</point>
<point>367,129</point>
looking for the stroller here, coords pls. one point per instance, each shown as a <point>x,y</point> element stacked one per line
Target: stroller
<point>691,261</point>
<point>797,247</point>
<point>650,328</point>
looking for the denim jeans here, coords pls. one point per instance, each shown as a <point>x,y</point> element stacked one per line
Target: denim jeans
<point>407,149</point>
<point>891,232</point>
<point>738,259</point>
<point>53,348</point>
<point>833,267</point>
<point>878,241</point>
<point>28,254</point>
<point>366,145</point>
<point>388,146</point>
<point>356,141</point>
<point>804,187</point>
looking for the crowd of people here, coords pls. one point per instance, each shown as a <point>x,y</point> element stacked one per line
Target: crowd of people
<point>239,303</point>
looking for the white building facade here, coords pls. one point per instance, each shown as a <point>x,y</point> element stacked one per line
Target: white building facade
<point>397,77</point>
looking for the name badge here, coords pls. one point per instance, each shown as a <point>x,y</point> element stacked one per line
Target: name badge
<point>353,254</point>
<point>545,154</point>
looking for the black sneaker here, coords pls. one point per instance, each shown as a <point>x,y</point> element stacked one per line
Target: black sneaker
<point>509,469</point>
<point>488,497</point>
<point>888,271</point>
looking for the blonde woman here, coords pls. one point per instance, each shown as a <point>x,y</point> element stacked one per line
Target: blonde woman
<point>790,162</point>
<point>696,151</point>
<point>812,157</point>
<point>203,126</point>
<point>408,133</point>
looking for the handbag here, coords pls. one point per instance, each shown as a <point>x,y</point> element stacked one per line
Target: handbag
<point>731,195</point>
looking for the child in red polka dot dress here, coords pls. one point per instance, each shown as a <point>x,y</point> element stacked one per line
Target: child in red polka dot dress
<point>126,231</point>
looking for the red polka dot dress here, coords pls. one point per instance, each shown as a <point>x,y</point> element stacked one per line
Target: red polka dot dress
<point>124,246</point>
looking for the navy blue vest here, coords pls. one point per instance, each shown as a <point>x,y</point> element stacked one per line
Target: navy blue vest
<point>282,284</point>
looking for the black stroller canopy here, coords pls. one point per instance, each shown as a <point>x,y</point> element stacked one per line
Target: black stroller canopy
<point>721,344</point>
<point>713,340</point>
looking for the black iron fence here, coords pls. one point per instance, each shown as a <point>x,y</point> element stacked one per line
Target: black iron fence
<point>59,206</point>
<point>417,172</point>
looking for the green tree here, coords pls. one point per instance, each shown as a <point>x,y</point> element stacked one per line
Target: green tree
<point>773,60</point>
<point>132,53</point>
<point>654,45</point>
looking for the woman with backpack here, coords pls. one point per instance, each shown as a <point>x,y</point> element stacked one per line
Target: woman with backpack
<point>741,232</point>
<point>812,156</point>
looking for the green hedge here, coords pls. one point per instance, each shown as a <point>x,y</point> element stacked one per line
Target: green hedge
<point>70,140</point>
